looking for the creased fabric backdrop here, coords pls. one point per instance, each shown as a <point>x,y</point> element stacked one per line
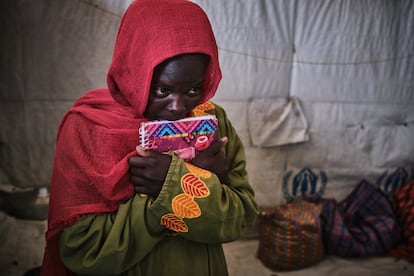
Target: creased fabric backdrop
<point>321,92</point>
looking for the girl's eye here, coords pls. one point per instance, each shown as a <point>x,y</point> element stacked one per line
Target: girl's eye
<point>161,92</point>
<point>194,91</point>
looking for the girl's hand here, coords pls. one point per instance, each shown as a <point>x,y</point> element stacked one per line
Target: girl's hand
<point>148,171</point>
<point>213,159</point>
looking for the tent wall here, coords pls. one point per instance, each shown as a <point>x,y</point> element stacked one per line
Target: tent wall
<point>349,63</point>
<point>51,53</point>
<point>341,72</point>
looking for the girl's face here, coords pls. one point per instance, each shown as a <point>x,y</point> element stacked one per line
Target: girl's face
<point>176,87</point>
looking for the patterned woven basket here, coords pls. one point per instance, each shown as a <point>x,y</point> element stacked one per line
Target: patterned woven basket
<point>290,236</point>
<point>403,206</point>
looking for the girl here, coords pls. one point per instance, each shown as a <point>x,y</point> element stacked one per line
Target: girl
<point>111,208</point>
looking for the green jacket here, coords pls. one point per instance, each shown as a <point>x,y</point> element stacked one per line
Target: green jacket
<point>135,239</point>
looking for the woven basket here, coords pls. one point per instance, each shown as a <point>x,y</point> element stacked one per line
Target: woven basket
<point>290,236</point>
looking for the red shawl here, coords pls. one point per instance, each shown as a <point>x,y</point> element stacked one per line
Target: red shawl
<point>100,132</point>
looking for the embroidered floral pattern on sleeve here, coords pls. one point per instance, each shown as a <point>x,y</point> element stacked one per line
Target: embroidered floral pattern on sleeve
<point>200,109</point>
<point>198,171</point>
<point>184,205</point>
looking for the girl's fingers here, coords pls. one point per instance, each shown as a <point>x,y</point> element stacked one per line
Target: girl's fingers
<point>224,140</point>
<point>141,151</point>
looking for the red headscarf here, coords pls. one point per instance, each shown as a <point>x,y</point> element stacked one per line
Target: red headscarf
<point>100,132</point>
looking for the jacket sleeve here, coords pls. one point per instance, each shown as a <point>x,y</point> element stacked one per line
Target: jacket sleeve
<point>194,204</point>
<point>99,244</point>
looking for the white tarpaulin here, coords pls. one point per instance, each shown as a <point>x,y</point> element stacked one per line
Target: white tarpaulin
<point>348,63</point>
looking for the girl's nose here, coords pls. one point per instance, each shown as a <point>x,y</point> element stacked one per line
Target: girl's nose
<point>177,106</point>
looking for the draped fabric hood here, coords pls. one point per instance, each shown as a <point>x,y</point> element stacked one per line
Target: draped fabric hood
<point>151,32</point>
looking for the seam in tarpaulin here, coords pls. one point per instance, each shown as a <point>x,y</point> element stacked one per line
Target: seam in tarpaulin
<point>317,62</point>
<point>96,6</point>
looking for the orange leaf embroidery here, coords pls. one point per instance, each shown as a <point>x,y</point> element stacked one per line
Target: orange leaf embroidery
<point>184,206</point>
<point>200,109</point>
<point>174,223</point>
<point>198,171</point>
<point>192,185</point>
